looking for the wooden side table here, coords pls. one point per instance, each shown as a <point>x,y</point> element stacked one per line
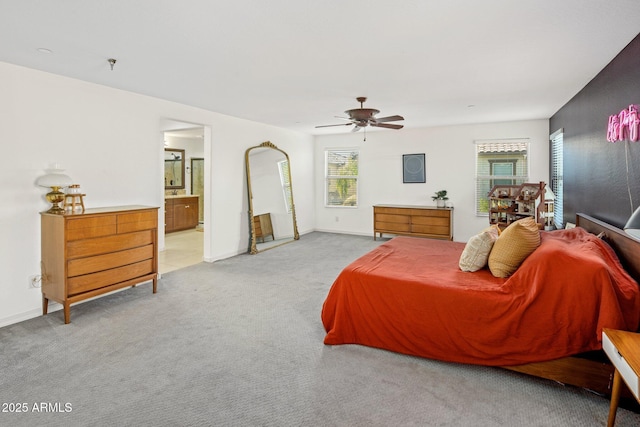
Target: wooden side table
<point>623,349</point>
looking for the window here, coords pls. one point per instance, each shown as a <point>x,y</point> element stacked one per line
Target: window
<point>341,178</point>
<point>499,162</point>
<point>283,167</point>
<point>556,176</point>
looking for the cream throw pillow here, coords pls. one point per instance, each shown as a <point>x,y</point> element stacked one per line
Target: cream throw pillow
<point>514,245</point>
<point>476,252</point>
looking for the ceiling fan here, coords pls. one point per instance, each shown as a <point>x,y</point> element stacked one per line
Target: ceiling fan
<point>363,117</point>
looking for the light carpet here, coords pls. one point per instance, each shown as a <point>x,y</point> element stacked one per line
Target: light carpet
<point>239,343</point>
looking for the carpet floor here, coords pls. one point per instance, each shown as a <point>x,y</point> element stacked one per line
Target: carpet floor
<point>238,342</point>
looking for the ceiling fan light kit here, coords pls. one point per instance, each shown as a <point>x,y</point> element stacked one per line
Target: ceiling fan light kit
<point>363,117</point>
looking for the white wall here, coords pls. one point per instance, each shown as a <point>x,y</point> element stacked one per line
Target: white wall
<point>111,143</point>
<point>450,165</point>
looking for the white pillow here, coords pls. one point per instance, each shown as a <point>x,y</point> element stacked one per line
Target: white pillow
<point>476,252</point>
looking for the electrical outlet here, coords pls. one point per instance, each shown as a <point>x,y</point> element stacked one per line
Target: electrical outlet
<point>35,281</point>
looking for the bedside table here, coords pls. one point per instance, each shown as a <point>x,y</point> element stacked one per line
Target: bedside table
<point>623,349</point>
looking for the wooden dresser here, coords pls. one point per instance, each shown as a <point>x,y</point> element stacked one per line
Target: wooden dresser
<point>262,226</point>
<point>419,221</point>
<point>181,213</point>
<point>88,254</point>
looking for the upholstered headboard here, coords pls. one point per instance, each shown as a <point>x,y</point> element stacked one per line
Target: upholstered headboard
<point>627,248</point>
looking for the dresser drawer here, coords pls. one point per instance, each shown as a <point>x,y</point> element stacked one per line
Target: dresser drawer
<point>135,221</point>
<point>88,282</point>
<point>93,264</point>
<point>103,245</point>
<point>393,226</point>
<point>627,373</point>
<point>390,210</point>
<point>438,213</point>
<point>390,218</point>
<point>83,228</point>
<point>430,220</point>
<point>431,229</point>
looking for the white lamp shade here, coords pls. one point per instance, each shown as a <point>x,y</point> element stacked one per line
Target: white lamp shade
<point>632,226</point>
<point>54,179</point>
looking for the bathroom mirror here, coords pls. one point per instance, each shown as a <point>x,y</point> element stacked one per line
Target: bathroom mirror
<point>173,168</point>
<point>272,215</point>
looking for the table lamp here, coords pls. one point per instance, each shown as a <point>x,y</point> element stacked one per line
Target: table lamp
<point>55,180</point>
<point>632,226</point>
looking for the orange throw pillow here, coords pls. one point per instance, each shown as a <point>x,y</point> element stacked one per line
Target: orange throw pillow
<point>514,245</point>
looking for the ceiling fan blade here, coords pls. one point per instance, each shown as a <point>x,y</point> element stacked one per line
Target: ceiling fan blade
<point>341,124</point>
<point>388,119</point>
<point>387,125</point>
<point>356,129</point>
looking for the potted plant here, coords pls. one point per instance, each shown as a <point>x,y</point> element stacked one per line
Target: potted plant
<point>440,197</point>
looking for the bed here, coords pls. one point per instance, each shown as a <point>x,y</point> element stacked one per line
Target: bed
<point>409,296</point>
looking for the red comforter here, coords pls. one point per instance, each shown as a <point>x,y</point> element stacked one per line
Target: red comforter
<point>409,296</point>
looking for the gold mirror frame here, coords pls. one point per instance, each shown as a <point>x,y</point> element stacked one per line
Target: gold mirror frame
<point>253,249</point>
<point>173,167</point>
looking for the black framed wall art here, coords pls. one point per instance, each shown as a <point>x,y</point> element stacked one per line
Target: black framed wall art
<point>413,168</point>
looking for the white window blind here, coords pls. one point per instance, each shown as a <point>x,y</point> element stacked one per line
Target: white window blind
<point>341,177</point>
<point>283,167</point>
<point>499,162</point>
<point>556,176</point>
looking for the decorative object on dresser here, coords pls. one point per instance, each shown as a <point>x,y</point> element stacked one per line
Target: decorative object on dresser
<point>263,226</point>
<point>92,253</point>
<point>623,349</point>
<point>548,211</point>
<point>73,200</point>
<point>55,180</point>
<point>440,198</point>
<point>509,203</point>
<point>419,221</point>
<point>181,213</point>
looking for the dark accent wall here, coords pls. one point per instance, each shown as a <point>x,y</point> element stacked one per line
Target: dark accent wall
<point>596,181</point>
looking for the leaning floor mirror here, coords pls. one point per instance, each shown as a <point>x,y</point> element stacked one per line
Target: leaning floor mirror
<point>272,214</point>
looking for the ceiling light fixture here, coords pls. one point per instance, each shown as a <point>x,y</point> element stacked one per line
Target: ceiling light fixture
<point>112,62</point>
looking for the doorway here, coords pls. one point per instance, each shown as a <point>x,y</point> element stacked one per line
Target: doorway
<point>197,184</point>
<point>186,247</point>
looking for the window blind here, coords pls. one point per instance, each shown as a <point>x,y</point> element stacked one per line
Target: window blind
<point>341,178</point>
<point>499,162</point>
<point>556,177</point>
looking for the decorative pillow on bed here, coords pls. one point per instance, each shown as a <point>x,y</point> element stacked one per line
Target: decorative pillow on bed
<point>516,243</point>
<point>477,250</point>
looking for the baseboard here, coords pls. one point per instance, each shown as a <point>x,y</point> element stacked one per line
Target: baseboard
<point>30,314</point>
<point>54,306</point>
<point>353,233</point>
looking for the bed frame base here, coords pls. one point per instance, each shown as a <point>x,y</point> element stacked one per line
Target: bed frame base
<point>584,373</point>
<point>581,372</point>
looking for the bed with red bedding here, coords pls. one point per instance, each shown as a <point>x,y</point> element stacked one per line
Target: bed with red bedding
<point>409,296</point>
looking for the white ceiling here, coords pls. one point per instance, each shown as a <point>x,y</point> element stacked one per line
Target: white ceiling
<point>298,63</point>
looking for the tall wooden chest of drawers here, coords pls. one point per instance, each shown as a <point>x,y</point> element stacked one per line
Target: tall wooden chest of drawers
<point>101,250</point>
<point>420,221</point>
